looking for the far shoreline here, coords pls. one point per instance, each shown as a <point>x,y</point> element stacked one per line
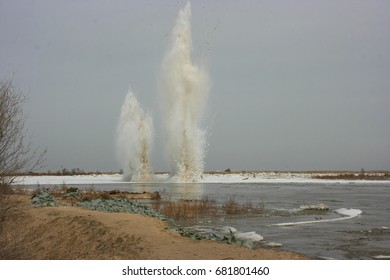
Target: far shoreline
<point>209,177</point>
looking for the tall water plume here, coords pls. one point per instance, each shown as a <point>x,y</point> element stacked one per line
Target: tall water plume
<point>134,139</point>
<point>184,90</point>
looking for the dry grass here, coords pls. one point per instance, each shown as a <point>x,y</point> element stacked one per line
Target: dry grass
<point>355,176</point>
<point>58,191</point>
<point>91,195</point>
<point>185,209</point>
<point>192,209</point>
<point>6,189</point>
<point>70,195</point>
<point>231,206</point>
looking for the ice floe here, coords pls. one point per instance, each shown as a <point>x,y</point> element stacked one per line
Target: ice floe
<point>345,213</point>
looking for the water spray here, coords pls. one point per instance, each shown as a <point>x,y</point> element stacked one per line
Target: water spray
<point>184,91</point>
<point>134,139</point>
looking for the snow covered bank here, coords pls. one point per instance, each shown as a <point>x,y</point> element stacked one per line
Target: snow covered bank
<point>77,179</point>
<point>281,177</point>
<point>229,178</point>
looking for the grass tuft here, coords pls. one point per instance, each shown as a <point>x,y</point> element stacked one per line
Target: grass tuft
<point>231,206</point>
<point>185,209</point>
<point>192,209</point>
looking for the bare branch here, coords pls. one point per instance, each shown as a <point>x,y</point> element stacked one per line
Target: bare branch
<point>16,154</point>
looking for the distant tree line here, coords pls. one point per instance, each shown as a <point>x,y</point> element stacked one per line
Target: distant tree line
<point>72,172</point>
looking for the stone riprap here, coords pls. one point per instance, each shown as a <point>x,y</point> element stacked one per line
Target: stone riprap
<point>43,198</point>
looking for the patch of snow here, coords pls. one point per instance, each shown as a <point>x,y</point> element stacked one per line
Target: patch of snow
<point>76,179</point>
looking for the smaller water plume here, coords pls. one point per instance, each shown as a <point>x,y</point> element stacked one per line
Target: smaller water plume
<point>134,139</point>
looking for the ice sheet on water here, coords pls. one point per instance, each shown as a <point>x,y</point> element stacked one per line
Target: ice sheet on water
<point>346,213</point>
<point>349,212</point>
<point>227,229</point>
<point>382,257</point>
<point>273,244</point>
<point>251,235</point>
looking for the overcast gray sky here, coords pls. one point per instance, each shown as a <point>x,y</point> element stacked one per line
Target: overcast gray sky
<point>296,85</point>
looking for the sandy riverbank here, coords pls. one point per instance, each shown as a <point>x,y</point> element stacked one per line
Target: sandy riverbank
<point>68,232</point>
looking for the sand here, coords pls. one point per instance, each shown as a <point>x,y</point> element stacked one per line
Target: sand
<point>68,232</point>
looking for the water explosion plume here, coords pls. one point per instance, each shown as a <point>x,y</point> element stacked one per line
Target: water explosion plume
<point>134,139</point>
<point>184,90</point>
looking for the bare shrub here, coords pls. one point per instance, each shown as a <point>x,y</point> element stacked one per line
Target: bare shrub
<point>16,154</point>
<point>5,189</point>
